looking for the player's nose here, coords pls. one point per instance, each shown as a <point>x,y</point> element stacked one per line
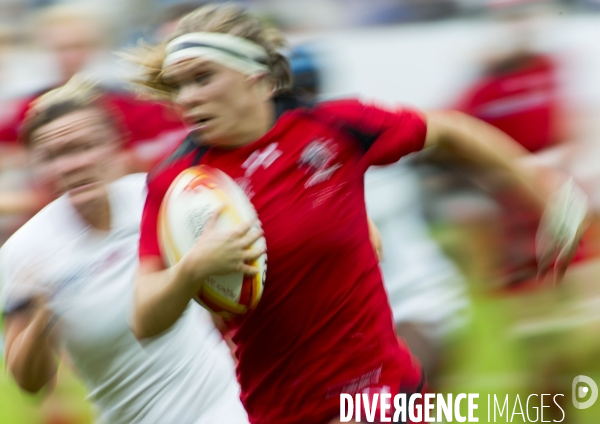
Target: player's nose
<point>75,163</point>
<point>190,95</point>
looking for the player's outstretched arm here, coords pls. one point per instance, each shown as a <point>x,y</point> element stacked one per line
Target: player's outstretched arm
<point>562,204</point>
<point>162,295</point>
<point>475,142</point>
<point>29,353</point>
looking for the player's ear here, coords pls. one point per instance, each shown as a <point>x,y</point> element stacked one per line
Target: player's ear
<point>263,83</point>
<point>256,78</point>
<point>261,79</point>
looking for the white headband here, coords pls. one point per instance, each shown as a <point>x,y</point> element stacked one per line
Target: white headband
<point>234,52</point>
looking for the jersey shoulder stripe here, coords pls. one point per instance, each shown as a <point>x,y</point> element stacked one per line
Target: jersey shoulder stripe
<point>187,147</point>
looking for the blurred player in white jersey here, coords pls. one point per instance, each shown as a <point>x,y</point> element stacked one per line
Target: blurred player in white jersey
<point>427,293</point>
<point>68,283</point>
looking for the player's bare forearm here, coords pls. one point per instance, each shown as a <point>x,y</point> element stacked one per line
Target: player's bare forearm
<point>161,297</point>
<point>29,353</point>
<point>483,145</point>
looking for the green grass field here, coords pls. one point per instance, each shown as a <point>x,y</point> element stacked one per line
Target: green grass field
<point>65,405</point>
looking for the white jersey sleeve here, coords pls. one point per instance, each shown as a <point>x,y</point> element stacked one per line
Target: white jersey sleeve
<point>20,265</point>
<point>184,376</point>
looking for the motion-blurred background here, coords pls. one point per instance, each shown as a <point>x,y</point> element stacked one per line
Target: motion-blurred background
<point>459,257</point>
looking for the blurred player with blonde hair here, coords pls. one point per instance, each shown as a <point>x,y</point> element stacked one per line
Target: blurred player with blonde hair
<point>68,282</point>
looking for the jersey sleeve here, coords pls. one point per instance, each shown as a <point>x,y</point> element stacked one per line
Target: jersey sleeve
<point>153,129</point>
<point>11,124</point>
<point>384,135</point>
<point>18,277</point>
<point>149,247</point>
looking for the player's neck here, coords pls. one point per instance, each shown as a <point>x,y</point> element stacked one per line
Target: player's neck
<point>267,118</point>
<point>96,212</point>
<point>261,123</point>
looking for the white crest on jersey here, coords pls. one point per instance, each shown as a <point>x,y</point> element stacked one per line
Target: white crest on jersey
<point>262,158</point>
<point>317,158</point>
<point>259,158</point>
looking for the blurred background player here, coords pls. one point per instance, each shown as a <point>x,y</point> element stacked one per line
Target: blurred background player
<point>77,39</point>
<point>518,91</point>
<point>68,282</point>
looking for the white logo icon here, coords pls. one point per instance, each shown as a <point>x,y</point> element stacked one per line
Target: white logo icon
<point>580,391</point>
<point>258,159</point>
<point>316,159</point>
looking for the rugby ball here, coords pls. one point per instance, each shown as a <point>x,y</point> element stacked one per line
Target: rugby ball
<point>191,198</point>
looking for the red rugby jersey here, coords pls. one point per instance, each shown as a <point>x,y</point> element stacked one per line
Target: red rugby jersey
<point>523,102</point>
<point>323,325</point>
<point>150,130</point>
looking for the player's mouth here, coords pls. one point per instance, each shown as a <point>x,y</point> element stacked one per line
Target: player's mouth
<point>201,122</point>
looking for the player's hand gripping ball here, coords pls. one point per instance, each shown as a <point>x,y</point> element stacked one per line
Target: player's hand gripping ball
<point>191,199</point>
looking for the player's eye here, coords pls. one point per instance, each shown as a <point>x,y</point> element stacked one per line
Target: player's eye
<point>83,147</point>
<point>48,156</point>
<point>173,84</point>
<point>203,78</point>
<point>53,155</point>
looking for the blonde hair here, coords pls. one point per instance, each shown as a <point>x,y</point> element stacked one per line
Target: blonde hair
<point>78,93</point>
<point>224,18</point>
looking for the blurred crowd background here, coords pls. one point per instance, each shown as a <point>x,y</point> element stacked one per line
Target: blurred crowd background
<point>459,251</point>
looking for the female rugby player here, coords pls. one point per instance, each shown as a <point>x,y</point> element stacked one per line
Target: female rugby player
<point>323,326</point>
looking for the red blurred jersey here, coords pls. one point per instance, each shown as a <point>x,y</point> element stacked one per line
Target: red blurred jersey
<point>323,325</point>
<point>522,102</point>
<point>151,130</point>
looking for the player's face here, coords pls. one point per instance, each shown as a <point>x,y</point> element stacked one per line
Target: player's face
<point>222,105</point>
<point>73,154</point>
<point>72,44</point>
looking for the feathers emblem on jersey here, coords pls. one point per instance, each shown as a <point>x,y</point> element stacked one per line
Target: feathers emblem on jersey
<point>317,158</point>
